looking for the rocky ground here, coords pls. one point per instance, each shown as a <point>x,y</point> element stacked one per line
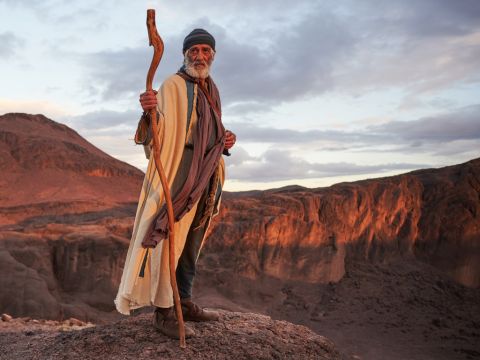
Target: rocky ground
<point>235,336</point>
<point>396,311</point>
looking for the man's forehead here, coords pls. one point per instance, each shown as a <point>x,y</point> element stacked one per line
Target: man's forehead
<point>200,46</point>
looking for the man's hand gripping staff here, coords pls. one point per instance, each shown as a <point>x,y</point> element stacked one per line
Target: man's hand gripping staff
<point>158,47</point>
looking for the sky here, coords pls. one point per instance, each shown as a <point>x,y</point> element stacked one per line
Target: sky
<point>317,92</point>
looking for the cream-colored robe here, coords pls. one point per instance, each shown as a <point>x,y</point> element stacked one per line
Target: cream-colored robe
<point>154,287</point>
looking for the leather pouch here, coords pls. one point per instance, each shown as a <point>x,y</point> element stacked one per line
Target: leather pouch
<point>143,135</point>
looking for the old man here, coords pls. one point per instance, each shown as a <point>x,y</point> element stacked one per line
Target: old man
<point>192,139</point>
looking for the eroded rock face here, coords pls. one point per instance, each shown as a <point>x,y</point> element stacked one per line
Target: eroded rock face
<point>62,271</point>
<point>306,234</point>
<point>449,236</point>
<point>297,233</point>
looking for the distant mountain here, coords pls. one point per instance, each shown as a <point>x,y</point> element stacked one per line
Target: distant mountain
<point>44,161</point>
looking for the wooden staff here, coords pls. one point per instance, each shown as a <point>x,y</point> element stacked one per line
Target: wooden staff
<point>158,47</point>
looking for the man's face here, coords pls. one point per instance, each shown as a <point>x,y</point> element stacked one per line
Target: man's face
<point>198,60</point>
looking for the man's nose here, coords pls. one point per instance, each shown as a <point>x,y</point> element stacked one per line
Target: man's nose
<point>201,56</point>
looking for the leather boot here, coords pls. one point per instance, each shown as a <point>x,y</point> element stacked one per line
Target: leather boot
<point>166,322</point>
<point>193,312</point>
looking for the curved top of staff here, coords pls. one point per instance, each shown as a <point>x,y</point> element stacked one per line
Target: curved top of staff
<point>156,41</point>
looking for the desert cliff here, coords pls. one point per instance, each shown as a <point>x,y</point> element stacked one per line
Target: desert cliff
<point>306,234</point>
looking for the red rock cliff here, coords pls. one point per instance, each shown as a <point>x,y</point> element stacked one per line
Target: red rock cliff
<point>297,233</point>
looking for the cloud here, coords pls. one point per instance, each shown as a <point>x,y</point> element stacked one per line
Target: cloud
<point>10,44</point>
<point>402,44</point>
<point>112,131</point>
<point>104,119</point>
<point>451,133</point>
<point>250,132</point>
<point>245,108</point>
<point>312,49</point>
<point>26,3</point>
<point>463,124</point>
<point>456,130</point>
<point>469,148</point>
<point>298,61</point>
<point>451,18</point>
<point>116,74</point>
<point>284,71</point>
<point>49,109</point>
<point>59,11</point>
<point>419,135</point>
<point>240,156</point>
<point>275,165</point>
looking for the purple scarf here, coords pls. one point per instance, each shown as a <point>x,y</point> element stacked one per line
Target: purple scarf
<point>204,161</point>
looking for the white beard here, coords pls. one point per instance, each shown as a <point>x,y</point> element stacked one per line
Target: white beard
<point>198,74</point>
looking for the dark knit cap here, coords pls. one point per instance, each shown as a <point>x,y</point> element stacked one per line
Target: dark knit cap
<point>198,36</point>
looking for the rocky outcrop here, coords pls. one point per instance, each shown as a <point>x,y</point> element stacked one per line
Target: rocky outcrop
<point>59,271</point>
<point>235,336</point>
<point>306,234</point>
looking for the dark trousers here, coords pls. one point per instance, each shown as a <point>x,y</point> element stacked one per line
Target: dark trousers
<point>186,268</point>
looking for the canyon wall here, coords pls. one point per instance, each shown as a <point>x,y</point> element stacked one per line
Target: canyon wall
<point>306,234</point>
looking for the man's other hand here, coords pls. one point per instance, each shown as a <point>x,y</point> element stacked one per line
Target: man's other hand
<point>148,100</point>
<point>230,139</point>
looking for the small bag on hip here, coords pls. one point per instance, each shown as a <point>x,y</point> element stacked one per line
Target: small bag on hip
<point>143,135</point>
